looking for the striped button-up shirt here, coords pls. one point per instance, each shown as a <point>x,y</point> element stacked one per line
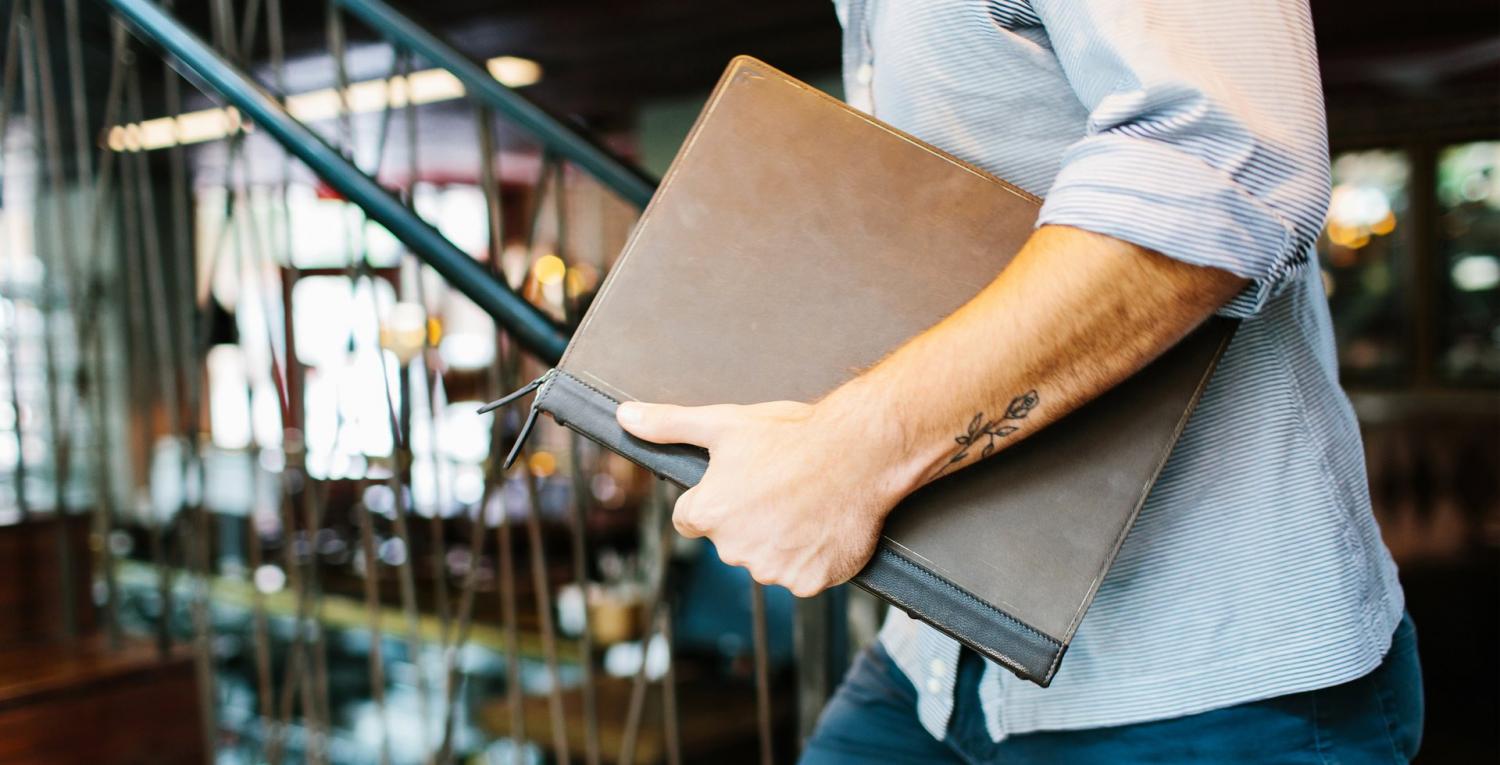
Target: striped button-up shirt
<point>1194,128</point>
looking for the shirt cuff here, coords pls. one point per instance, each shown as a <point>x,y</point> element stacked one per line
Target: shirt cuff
<point>1157,196</point>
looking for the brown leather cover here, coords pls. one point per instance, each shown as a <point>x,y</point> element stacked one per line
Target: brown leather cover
<point>794,242</point>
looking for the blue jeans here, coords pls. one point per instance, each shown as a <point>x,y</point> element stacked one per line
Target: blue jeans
<point>1373,719</point>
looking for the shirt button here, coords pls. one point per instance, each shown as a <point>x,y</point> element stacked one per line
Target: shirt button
<point>865,73</point>
<point>934,685</point>
<point>938,667</point>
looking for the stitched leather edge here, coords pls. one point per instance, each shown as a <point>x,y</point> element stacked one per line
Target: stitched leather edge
<point>591,412</point>
<point>1019,647</point>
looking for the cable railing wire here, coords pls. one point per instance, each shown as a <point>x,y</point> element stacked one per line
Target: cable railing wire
<point>217,75</point>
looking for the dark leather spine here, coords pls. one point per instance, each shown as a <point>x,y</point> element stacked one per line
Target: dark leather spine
<point>591,412</point>
<point>919,591</point>
<point>928,597</point>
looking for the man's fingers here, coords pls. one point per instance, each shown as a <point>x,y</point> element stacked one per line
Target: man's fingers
<point>667,424</point>
<point>682,516</point>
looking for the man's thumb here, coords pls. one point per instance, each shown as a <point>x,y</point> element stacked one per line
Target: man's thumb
<point>668,424</point>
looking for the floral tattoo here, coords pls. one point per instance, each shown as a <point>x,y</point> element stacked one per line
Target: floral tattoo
<point>988,431</point>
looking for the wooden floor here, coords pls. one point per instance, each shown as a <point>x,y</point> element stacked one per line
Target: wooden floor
<point>84,703</point>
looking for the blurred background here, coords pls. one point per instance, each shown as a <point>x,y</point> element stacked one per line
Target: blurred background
<point>248,512</point>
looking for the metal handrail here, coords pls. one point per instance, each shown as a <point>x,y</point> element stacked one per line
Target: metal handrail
<point>618,175</point>
<point>198,62</point>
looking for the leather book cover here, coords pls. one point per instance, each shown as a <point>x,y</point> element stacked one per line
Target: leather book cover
<point>794,242</point>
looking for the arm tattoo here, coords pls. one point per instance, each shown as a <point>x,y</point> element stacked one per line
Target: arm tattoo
<point>990,430</point>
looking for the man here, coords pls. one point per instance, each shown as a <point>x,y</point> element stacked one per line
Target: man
<point>1253,614</point>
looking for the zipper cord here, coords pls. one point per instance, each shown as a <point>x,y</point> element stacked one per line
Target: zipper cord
<point>515,449</point>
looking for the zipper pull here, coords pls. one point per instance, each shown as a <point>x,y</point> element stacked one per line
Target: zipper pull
<point>515,449</point>
<point>525,389</point>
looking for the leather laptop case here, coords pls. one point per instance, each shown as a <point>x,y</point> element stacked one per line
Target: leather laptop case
<point>794,242</point>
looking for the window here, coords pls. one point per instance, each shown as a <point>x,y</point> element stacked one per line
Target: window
<point>1468,262</point>
<point>1365,253</point>
<point>40,365</point>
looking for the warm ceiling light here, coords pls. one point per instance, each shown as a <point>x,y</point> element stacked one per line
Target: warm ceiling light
<point>432,85</point>
<point>425,87</point>
<point>404,331</point>
<point>158,133</point>
<point>514,71</point>
<point>204,125</point>
<point>314,106</point>
<point>549,269</point>
<point>373,95</point>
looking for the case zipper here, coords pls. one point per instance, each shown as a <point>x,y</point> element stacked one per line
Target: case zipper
<point>530,422</point>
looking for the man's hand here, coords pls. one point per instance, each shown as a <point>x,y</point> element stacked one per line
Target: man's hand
<point>796,493</point>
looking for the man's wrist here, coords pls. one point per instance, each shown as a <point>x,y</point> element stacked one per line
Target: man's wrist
<point>865,419</point>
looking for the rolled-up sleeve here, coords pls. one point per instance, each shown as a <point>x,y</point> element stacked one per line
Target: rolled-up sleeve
<point>1206,139</point>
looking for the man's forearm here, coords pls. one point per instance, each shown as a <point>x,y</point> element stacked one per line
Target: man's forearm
<point>1074,314</point>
